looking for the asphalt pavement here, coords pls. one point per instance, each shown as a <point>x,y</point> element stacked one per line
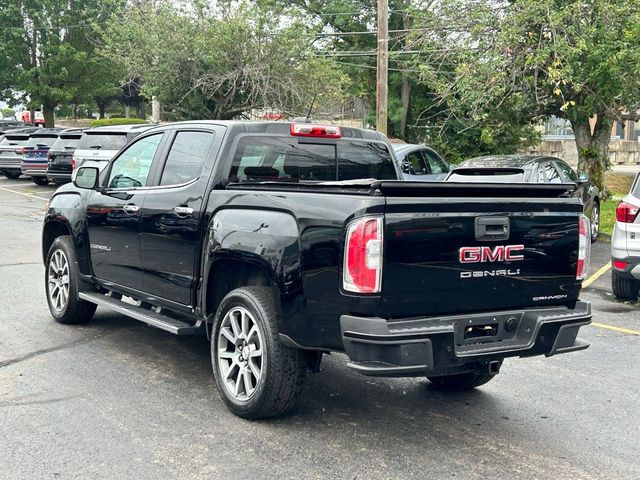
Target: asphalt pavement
<point>116,399</point>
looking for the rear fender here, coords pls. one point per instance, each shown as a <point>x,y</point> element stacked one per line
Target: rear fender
<point>266,239</point>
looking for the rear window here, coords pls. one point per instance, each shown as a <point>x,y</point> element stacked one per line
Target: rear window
<point>11,141</point>
<point>35,141</point>
<point>260,159</point>
<point>65,143</point>
<point>102,141</point>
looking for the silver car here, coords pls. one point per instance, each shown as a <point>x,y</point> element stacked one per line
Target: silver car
<point>99,145</point>
<point>625,246</point>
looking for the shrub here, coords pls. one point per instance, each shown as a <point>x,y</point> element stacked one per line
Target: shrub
<point>116,121</point>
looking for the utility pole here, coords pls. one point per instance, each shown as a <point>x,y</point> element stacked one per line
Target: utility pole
<point>382,66</point>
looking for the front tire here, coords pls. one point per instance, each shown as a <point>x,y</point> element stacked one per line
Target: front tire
<point>256,375</point>
<point>62,278</point>
<point>624,288</point>
<point>461,381</point>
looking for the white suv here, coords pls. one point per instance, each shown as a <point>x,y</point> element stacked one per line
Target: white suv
<point>625,246</point>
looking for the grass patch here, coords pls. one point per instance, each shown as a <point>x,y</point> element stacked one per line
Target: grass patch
<point>608,216</point>
<point>617,184</point>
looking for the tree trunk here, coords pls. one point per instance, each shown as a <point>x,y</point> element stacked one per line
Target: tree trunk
<point>102,108</point>
<point>47,111</point>
<point>404,96</point>
<point>593,147</point>
<point>126,112</point>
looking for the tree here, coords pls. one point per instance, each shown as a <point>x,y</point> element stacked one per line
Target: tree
<point>202,63</point>
<point>575,59</point>
<point>46,48</point>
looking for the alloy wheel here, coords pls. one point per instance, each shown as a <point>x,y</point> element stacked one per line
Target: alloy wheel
<point>58,280</point>
<point>240,353</point>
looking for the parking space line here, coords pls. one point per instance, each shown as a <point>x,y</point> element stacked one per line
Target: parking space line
<point>596,275</point>
<point>24,194</point>
<point>616,329</point>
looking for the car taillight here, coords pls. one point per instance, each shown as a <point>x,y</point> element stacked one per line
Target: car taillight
<point>20,151</point>
<point>362,271</point>
<point>626,213</point>
<point>584,248</point>
<point>620,265</point>
<point>311,130</point>
<point>73,162</point>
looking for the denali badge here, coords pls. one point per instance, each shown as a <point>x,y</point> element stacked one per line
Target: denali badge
<point>499,253</point>
<point>490,273</point>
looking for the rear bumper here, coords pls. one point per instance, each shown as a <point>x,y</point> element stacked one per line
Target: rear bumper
<point>34,170</point>
<point>58,175</point>
<point>438,346</point>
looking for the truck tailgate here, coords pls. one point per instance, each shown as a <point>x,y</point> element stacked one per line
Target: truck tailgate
<point>453,254</point>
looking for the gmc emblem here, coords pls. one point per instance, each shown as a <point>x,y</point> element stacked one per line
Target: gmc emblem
<point>500,253</point>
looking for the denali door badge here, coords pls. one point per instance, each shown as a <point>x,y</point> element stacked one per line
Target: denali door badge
<point>499,253</point>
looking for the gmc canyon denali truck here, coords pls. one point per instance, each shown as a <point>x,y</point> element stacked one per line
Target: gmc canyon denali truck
<point>283,242</point>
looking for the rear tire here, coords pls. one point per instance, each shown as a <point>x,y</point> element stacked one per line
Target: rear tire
<point>12,175</point>
<point>62,279</point>
<point>624,288</point>
<point>40,180</point>
<point>256,375</point>
<point>461,381</point>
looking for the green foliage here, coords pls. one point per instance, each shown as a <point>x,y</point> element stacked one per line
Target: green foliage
<point>46,50</point>
<point>102,122</point>
<point>200,65</point>
<point>8,112</point>
<point>522,61</point>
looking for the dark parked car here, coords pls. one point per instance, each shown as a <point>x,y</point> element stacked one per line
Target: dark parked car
<point>532,169</point>
<point>7,125</point>
<point>60,156</point>
<point>11,148</point>
<point>34,154</point>
<point>419,162</point>
<point>282,242</point>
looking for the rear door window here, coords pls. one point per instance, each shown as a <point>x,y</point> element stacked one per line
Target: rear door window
<point>103,141</point>
<point>259,159</point>
<point>186,157</point>
<point>549,173</point>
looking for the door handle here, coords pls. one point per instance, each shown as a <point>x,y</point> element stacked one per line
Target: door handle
<point>183,211</point>
<point>130,208</point>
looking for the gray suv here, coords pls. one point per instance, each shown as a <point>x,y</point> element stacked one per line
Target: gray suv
<point>625,246</point>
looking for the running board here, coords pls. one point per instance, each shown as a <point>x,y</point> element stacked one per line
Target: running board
<point>152,318</point>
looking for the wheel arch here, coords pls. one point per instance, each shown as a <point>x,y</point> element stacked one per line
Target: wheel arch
<point>53,229</point>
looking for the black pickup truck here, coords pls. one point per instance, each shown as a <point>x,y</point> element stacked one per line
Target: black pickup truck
<point>283,242</point>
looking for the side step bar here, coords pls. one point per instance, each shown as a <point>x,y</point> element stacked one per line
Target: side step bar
<point>152,318</point>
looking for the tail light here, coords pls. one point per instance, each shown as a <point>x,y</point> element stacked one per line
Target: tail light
<point>584,248</point>
<point>312,130</point>
<point>620,265</point>
<point>73,162</point>
<point>626,213</point>
<point>362,271</point>
<point>20,151</point>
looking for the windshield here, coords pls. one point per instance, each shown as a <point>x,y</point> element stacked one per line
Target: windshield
<point>65,143</point>
<point>102,141</point>
<point>260,159</point>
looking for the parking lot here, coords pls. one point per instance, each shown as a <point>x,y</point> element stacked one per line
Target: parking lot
<point>119,399</point>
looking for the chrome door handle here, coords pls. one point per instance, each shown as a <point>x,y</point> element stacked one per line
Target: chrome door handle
<point>184,211</point>
<point>131,208</point>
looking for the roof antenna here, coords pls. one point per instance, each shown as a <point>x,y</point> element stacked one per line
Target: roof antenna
<point>307,118</point>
